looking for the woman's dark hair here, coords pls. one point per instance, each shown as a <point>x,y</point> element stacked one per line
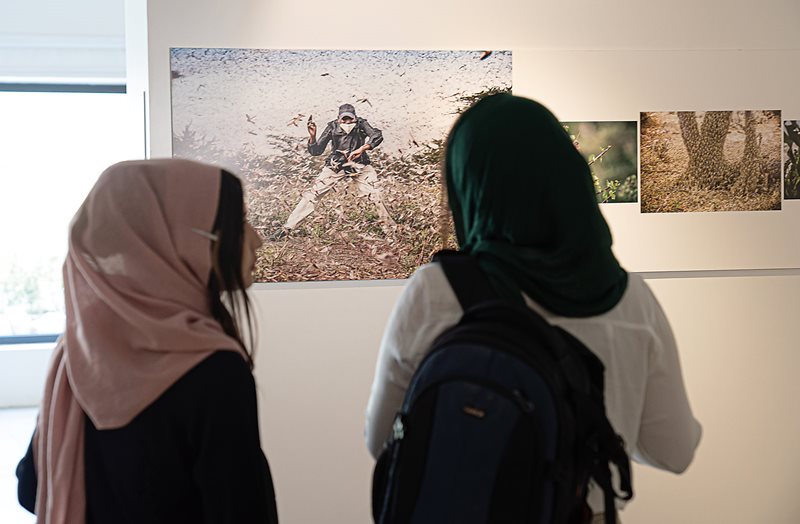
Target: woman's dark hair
<point>229,227</point>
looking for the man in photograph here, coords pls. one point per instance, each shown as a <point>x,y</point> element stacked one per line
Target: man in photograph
<point>350,137</point>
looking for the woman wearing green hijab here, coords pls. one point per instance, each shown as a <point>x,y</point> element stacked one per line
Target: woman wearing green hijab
<point>523,205</point>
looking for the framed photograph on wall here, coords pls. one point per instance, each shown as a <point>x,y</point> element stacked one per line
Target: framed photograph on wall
<point>340,151</point>
<point>791,166</point>
<point>611,149</point>
<point>700,161</point>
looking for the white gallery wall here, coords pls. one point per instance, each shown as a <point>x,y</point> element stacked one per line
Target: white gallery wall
<point>736,330</point>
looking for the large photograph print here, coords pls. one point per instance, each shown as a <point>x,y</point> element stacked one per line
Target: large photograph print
<point>710,161</point>
<point>611,150</point>
<point>340,151</point>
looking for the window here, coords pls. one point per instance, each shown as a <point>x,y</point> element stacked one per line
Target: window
<point>54,146</point>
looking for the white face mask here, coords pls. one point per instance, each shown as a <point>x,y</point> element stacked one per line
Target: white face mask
<point>347,127</point>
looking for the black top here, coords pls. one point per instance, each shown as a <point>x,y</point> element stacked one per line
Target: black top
<point>193,456</point>
<point>346,143</point>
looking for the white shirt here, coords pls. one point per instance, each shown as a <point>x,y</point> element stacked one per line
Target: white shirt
<point>645,397</point>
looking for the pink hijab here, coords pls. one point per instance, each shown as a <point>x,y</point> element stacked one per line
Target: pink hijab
<point>138,314</point>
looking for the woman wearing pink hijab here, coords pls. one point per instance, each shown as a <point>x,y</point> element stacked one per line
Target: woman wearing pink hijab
<point>149,412</point>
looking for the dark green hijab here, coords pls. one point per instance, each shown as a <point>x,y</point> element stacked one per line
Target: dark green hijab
<point>524,205</point>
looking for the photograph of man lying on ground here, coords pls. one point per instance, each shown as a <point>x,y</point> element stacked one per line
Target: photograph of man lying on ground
<point>340,150</point>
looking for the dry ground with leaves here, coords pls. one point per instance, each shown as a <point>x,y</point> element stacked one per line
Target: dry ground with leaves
<point>344,239</point>
<point>666,189</point>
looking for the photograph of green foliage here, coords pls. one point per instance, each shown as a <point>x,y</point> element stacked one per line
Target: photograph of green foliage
<point>694,161</point>
<point>611,150</point>
<point>340,151</point>
<point>791,167</point>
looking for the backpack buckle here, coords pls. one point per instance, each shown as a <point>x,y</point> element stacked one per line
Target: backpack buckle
<point>398,428</point>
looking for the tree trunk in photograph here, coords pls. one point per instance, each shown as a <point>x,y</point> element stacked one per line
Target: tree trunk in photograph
<point>707,167</point>
<point>750,178</point>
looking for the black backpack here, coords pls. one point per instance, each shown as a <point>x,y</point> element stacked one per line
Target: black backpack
<point>503,422</point>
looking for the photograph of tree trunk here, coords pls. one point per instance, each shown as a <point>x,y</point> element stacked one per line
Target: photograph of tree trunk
<point>339,150</point>
<point>610,148</point>
<point>694,161</point>
<point>791,168</point>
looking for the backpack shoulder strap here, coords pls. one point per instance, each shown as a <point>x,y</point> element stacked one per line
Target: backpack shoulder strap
<point>466,278</point>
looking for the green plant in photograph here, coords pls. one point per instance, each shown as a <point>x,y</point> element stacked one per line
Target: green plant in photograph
<point>609,192</point>
<point>610,150</point>
<point>628,189</point>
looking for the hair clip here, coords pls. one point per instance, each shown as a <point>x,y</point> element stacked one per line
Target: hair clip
<point>211,236</point>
